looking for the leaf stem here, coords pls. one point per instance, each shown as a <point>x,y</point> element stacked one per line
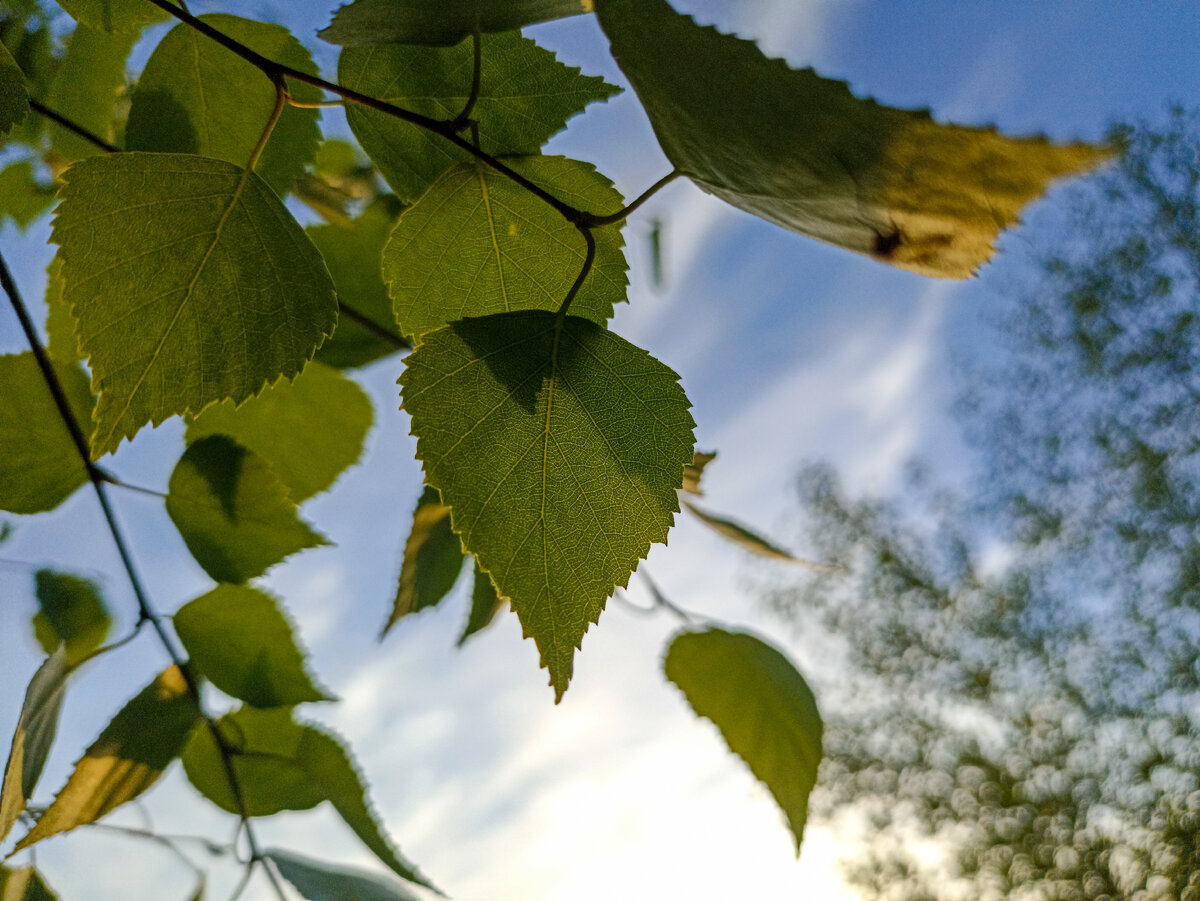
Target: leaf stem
<point>595,221</point>
<point>589,257</point>
<point>112,645</point>
<point>281,99</point>
<point>314,104</point>
<point>463,119</point>
<point>373,327</point>
<point>74,127</point>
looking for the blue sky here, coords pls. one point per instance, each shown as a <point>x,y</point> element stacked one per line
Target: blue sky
<point>789,350</point>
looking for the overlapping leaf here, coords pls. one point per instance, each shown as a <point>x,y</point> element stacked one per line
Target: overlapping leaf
<point>694,472</point>
<point>90,79</point>
<point>525,96</point>
<point>70,612</point>
<point>195,96</point>
<point>559,448</point>
<point>240,640</point>
<point>439,21</point>
<point>762,705</point>
<point>60,324</point>
<point>318,881</point>
<point>478,243</point>
<point>128,757</point>
<point>113,15</point>
<point>233,513</point>
<point>24,884</point>
<point>190,282</point>
<point>22,197</point>
<point>309,429</point>
<point>803,152</point>
<point>433,558</point>
<point>14,99</point>
<point>485,604</point>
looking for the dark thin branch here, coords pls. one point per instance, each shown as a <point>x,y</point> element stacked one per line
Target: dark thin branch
<point>463,119</point>
<point>594,221</point>
<point>589,257</point>
<point>373,327</point>
<point>74,127</point>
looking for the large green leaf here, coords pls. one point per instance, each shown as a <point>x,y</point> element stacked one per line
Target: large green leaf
<point>485,604</point>
<point>24,884</point>
<point>194,96</point>
<point>128,757</point>
<point>39,464</point>
<point>762,705</point>
<point>439,21</point>
<point>309,429</point>
<point>803,152</point>
<point>239,639</point>
<point>233,512</point>
<point>36,728</point>
<point>90,79</point>
<point>22,197</point>
<point>525,96</point>
<point>14,98</point>
<point>319,881</point>
<point>113,15</point>
<point>190,282</point>
<point>70,612</point>
<point>478,243</point>
<point>433,558</point>
<point>559,447</point>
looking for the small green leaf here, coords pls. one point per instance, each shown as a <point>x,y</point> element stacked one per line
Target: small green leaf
<point>739,534</point>
<point>478,243</point>
<point>194,96</point>
<point>128,757</point>
<point>525,96</point>
<point>24,884</point>
<point>693,472</point>
<point>113,15</point>
<point>14,98</point>
<point>762,705</point>
<point>485,604</point>
<point>39,463</point>
<point>559,448</point>
<point>803,152</point>
<point>22,197</point>
<point>191,283</point>
<point>319,881</point>
<point>309,429</point>
<point>90,79</point>
<point>36,728</point>
<point>433,558</point>
<point>71,612</point>
<point>439,21</point>
<point>240,641</point>
<point>233,512</point>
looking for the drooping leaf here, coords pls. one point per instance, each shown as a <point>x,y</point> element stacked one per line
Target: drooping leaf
<point>319,881</point>
<point>693,472</point>
<point>194,96</point>
<point>762,705</point>
<point>90,79</point>
<point>190,282</point>
<point>239,639</point>
<point>70,612</point>
<point>24,884</point>
<point>14,98</point>
<point>439,21</point>
<point>113,15</point>
<point>803,152</point>
<point>485,604</point>
<point>559,448</point>
<point>309,429</point>
<point>233,512</point>
<point>739,534</point>
<point>22,197</point>
<point>60,324</point>
<point>36,728</point>
<point>128,757</point>
<point>39,464</point>
<point>433,558</point>
<point>477,243</point>
<point>525,96</point>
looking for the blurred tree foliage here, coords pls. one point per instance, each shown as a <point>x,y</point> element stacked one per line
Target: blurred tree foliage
<point>1021,678</point>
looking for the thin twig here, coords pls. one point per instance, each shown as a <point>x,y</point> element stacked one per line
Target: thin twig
<point>111,646</point>
<point>59,119</point>
<point>595,221</point>
<point>372,326</point>
<point>589,257</point>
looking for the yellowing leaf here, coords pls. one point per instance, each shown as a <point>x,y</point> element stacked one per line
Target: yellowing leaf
<point>762,705</point>
<point>190,282</point>
<point>693,472</point>
<point>433,558</point>
<point>803,152</point>
<point>439,21</point>
<point>559,448</point>
<point>70,613</point>
<point>128,757</point>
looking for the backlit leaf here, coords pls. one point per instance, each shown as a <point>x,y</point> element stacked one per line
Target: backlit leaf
<point>433,558</point>
<point>693,472</point>
<point>239,639</point>
<point>803,152</point>
<point>525,96</point>
<point>90,79</point>
<point>485,604</point>
<point>70,612</point>
<point>39,464</point>
<point>478,243</point>
<point>559,453</point>
<point>194,96</point>
<point>24,884</point>
<point>14,100</point>
<point>739,534</point>
<point>319,881</point>
<point>191,283</point>
<point>233,512</point>
<point>22,197</point>
<point>60,324</point>
<point>309,429</point>
<point>762,705</point>
<point>36,728</point>
<point>128,757</point>
<point>113,15</point>
<point>439,21</point>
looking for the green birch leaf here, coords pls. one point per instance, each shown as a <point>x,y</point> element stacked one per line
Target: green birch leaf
<point>694,471</point>
<point>232,511</point>
<point>24,884</point>
<point>803,152</point>
<point>39,464</point>
<point>194,96</point>
<point>190,282</point>
<point>559,448</point>
<point>478,243</point>
<point>762,705</point>
<point>310,429</point>
<point>60,324</point>
<point>439,21</point>
<point>70,612</point>
<point>36,728</point>
<point>319,881</point>
<point>113,15</point>
<point>433,558</point>
<point>22,197</point>
<point>128,757</point>
<point>485,604</point>
<point>90,79</point>
<point>14,97</point>
<point>525,96</point>
<point>239,639</point>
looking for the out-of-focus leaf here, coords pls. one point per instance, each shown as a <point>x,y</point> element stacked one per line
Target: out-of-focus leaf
<point>71,612</point>
<point>22,197</point>
<point>24,884</point>
<point>693,472</point>
<point>485,604</point>
<point>433,558</point>
<point>90,79</point>
<point>319,881</point>
<point>439,21</point>
<point>113,15</point>
<point>755,543</point>
<point>14,98</point>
